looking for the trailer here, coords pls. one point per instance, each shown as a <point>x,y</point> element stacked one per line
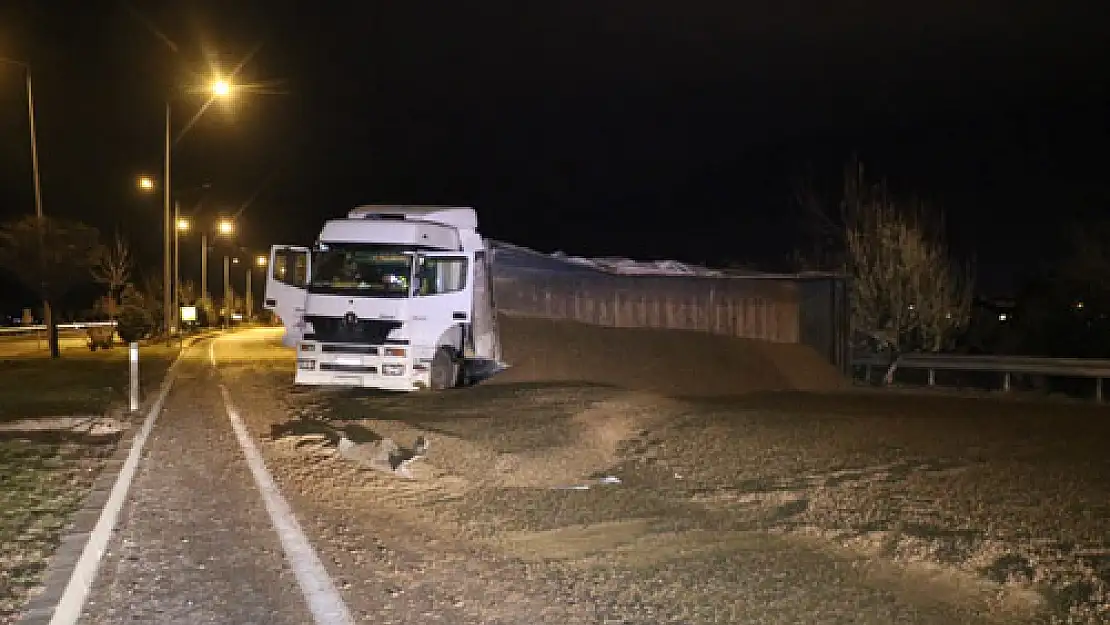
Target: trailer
<point>390,297</point>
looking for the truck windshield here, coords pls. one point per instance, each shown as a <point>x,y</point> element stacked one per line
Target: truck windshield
<point>364,270</point>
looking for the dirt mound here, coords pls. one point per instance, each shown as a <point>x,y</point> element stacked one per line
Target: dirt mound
<point>669,362</point>
<point>564,451</point>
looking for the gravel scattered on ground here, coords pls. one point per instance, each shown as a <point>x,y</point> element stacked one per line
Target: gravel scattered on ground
<point>972,510</point>
<point>41,485</point>
<point>59,422</point>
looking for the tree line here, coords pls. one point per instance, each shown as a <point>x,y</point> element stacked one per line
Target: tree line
<point>52,256</point>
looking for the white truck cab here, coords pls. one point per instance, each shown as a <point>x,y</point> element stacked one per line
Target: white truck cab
<point>390,297</point>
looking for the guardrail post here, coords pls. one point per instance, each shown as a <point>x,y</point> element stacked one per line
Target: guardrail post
<point>932,377</point>
<point>1098,390</point>
<point>1006,381</point>
<point>134,357</point>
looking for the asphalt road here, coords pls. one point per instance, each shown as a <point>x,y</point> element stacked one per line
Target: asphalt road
<point>204,538</point>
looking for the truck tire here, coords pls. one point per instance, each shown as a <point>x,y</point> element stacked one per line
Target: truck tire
<point>445,371</point>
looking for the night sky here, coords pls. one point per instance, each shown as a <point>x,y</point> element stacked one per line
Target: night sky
<point>648,129</point>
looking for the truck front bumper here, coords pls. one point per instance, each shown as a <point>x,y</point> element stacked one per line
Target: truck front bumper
<point>363,380</point>
<point>393,373</point>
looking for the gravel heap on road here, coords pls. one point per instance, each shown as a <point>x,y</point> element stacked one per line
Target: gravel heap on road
<point>971,503</point>
<point>668,362</point>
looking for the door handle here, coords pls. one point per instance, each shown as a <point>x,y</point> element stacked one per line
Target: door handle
<point>459,315</point>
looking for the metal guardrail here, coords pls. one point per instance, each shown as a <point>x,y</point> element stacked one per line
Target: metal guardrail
<point>1006,365</point>
<point>61,326</point>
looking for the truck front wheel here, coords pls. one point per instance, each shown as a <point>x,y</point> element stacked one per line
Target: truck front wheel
<point>445,371</point>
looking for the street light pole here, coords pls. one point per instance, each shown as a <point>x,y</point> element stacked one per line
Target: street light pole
<point>220,89</point>
<point>204,265</point>
<point>34,145</point>
<point>47,316</point>
<point>177,225</point>
<point>227,291</point>
<point>247,302</point>
<point>47,313</point>
<point>166,313</point>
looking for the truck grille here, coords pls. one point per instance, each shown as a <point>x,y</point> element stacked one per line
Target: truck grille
<point>365,331</point>
<point>350,348</point>
<point>331,366</point>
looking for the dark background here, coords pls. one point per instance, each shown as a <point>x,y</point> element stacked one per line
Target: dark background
<point>648,129</point>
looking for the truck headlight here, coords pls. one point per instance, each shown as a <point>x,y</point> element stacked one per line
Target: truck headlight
<point>306,363</point>
<point>395,351</point>
<point>393,369</point>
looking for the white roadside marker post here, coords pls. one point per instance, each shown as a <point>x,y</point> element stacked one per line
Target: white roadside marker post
<point>134,377</point>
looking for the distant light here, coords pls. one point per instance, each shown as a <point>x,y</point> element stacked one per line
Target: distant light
<point>226,227</point>
<point>146,183</point>
<point>183,225</point>
<point>188,313</point>
<point>1003,316</point>
<point>912,306</point>
<point>1079,305</point>
<point>235,260</point>
<point>221,88</point>
<point>261,261</point>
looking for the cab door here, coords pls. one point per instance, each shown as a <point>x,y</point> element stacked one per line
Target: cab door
<point>442,296</point>
<point>287,288</point>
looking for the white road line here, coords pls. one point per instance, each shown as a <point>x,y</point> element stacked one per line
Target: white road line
<point>323,599</point>
<point>80,582</point>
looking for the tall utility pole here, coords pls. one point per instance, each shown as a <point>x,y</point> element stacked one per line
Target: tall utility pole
<point>176,265</point>
<point>227,292</point>
<point>204,264</point>
<point>34,145</point>
<point>247,302</point>
<point>47,314</point>
<point>47,317</point>
<point>166,304</point>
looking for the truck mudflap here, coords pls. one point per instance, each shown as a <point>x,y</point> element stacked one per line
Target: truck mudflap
<point>476,370</point>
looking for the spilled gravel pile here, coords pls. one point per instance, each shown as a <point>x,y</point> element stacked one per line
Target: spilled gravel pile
<point>673,363</point>
<point>976,510</point>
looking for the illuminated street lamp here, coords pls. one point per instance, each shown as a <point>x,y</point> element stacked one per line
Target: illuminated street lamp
<point>146,184</point>
<point>182,226</point>
<point>259,261</point>
<point>226,228</point>
<point>218,89</point>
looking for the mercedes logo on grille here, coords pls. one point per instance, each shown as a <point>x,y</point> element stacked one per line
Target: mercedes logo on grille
<point>350,319</point>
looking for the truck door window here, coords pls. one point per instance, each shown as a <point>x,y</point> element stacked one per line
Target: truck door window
<point>439,275</point>
<point>291,267</point>
<point>281,266</point>
<point>300,269</point>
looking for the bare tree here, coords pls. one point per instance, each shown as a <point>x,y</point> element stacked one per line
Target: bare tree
<point>113,270</point>
<point>68,249</point>
<point>907,293</point>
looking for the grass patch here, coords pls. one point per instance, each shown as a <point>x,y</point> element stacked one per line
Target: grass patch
<point>41,485</point>
<point>79,383</point>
